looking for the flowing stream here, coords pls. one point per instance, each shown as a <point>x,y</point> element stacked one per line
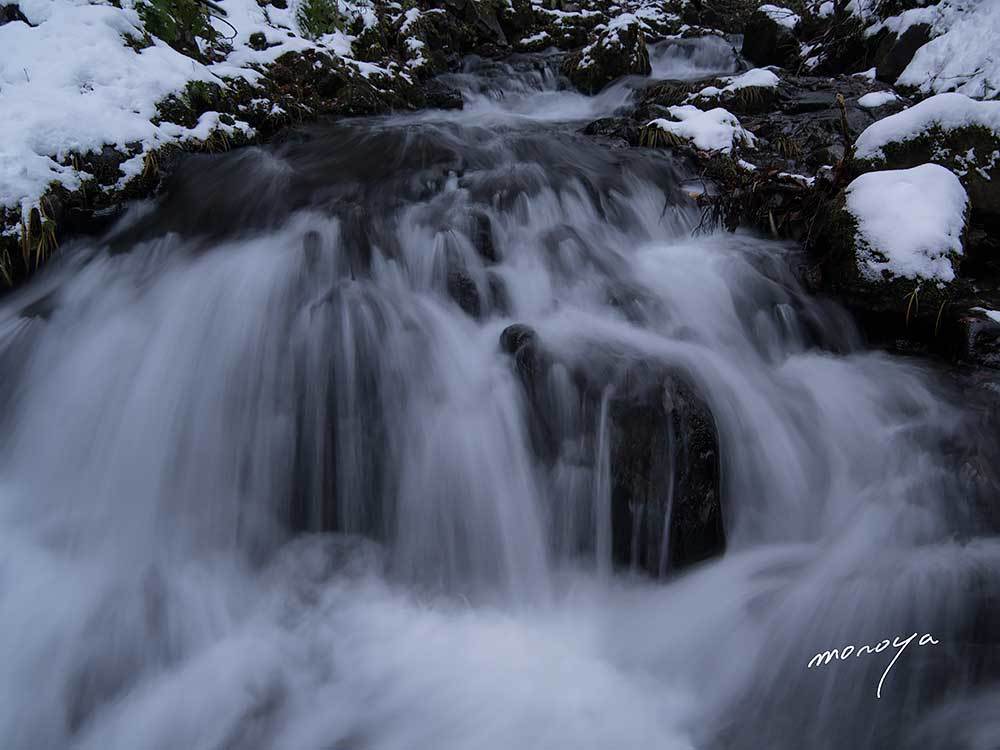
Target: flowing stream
<point>266,477</point>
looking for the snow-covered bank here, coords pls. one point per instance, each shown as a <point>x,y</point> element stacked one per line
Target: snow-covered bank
<point>104,86</point>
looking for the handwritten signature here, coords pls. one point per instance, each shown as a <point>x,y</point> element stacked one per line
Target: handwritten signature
<point>825,657</point>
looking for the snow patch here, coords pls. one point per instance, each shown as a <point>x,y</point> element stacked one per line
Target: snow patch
<point>781,16</point>
<point>993,315</point>
<point>714,130</point>
<point>877,99</point>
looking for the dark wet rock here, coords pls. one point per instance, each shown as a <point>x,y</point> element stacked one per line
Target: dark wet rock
<point>437,95</point>
<point>622,129</point>
<point>481,15</point>
<point>978,336</point>
<point>482,238</point>
<point>895,52</point>
<point>767,42</point>
<point>516,336</point>
<point>664,465</point>
<point>805,130</point>
<point>463,290</point>
<point>660,441</point>
<point>12,13</point>
<point>258,41</point>
<point>614,51</point>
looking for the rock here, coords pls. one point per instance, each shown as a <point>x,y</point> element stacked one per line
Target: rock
<point>622,129</point>
<point>258,41</point>
<point>481,16</point>
<point>617,50</point>
<point>768,42</point>
<point>895,52</point>
<point>437,95</point>
<point>462,289</point>
<point>979,336</point>
<point>11,13</point>
<point>663,447</point>
<point>661,443</point>
<point>516,336</point>
<point>952,130</point>
<point>893,247</point>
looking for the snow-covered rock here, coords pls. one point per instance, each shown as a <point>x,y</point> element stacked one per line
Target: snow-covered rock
<point>714,130</point>
<point>769,39</point>
<point>781,16</point>
<point>962,56</point>
<point>756,78</point>
<point>909,223</point>
<point>617,49</point>
<point>950,129</point>
<point>941,113</point>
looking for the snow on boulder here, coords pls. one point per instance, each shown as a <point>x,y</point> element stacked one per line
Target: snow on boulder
<point>753,91</point>
<point>617,49</point>
<point>715,130</point>
<point>952,130</point>
<point>769,39</point>
<point>781,16</point>
<point>877,99</point>
<point>909,223</point>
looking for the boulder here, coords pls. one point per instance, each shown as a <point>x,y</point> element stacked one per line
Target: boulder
<point>895,51</point>
<point>894,242</point>
<point>770,40</point>
<point>617,49</point>
<point>11,13</point>
<point>952,130</point>
<point>660,440</point>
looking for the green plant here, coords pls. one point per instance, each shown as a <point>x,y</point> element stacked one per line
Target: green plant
<point>180,23</point>
<point>318,17</point>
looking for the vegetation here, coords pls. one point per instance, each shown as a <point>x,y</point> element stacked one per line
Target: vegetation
<point>180,23</point>
<point>318,17</point>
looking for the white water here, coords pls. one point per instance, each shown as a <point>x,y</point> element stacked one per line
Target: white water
<point>167,411</point>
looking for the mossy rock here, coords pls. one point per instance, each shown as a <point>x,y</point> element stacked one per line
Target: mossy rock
<point>890,306</point>
<point>972,153</point>
<point>614,51</point>
<point>767,42</point>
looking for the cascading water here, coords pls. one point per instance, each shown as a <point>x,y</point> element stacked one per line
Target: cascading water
<point>267,480</point>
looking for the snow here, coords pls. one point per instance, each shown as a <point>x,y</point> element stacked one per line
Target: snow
<point>909,222</point>
<point>877,99</point>
<point>103,93</point>
<point>758,77</point>
<point>946,111</point>
<point>541,36</point>
<point>69,84</point>
<point>868,75</point>
<point>963,56</point>
<point>993,315</point>
<point>714,130</point>
<point>781,16</point>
